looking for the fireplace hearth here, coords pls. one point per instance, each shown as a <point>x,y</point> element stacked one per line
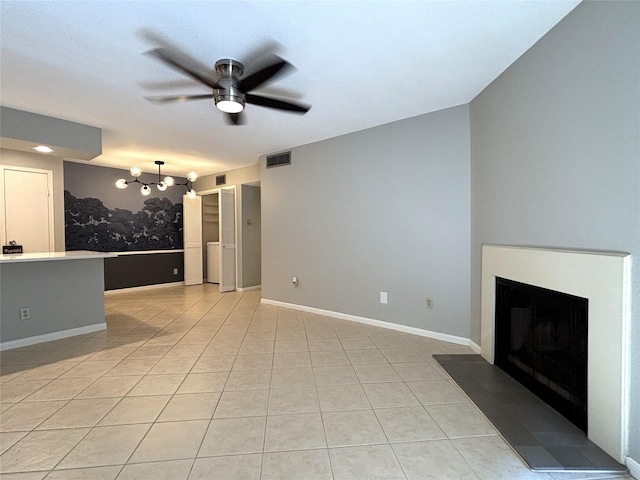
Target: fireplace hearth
<point>544,439</point>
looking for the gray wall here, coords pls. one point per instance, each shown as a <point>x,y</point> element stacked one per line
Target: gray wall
<point>238,176</point>
<point>555,151</point>
<point>384,209</point>
<point>251,254</point>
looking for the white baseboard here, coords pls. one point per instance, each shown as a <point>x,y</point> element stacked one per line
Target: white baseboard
<point>144,287</point>
<point>475,347</point>
<point>248,289</point>
<point>47,337</point>
<point>634,467</point>
<point>370,321</point>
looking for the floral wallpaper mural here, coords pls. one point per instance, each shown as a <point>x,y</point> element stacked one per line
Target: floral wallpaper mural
<point>100,217</point>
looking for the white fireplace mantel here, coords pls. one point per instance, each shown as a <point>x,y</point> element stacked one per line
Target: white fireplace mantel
<point>604,278</point>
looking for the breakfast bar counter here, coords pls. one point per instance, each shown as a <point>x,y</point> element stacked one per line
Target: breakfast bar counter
<point>50,295</point>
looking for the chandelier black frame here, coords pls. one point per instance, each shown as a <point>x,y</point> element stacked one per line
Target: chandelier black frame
<point>161,184</point>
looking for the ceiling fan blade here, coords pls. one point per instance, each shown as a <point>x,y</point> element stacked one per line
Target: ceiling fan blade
<point>267,73</point>
<point>274,91</point>
<point>235,118</point>
<point>178,98</point>
<point>262,54</point>
<point>164,85</point>
<point>275,103</point>
<point>164,56</point>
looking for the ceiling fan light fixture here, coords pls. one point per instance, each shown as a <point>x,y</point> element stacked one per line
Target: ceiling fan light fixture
<point>230,104</point>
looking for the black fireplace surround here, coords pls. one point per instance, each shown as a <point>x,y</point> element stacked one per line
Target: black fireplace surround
<point>541,341</point>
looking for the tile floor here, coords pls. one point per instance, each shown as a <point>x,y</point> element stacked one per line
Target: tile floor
<point>188,383</point>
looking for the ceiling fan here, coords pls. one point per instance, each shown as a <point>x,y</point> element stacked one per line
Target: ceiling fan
<point>230,92</point>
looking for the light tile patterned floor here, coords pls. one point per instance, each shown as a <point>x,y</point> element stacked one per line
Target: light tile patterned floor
<point>188,383</point>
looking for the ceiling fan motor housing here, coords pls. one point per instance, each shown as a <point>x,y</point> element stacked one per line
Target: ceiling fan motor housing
<point>229,68</point>
<point>229,71</point>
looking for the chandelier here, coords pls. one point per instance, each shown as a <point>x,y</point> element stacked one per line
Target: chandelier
<point>162,184</point>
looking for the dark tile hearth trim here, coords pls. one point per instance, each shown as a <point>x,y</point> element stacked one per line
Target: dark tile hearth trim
<point>543,438</point>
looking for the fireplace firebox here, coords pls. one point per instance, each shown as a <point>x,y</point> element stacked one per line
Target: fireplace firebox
<point>541,341</point>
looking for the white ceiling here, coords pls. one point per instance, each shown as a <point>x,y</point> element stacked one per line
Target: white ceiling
<point>359,64</point>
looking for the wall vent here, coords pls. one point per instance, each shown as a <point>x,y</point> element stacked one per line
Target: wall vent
<point>279,160</point>
<point>221,179</point>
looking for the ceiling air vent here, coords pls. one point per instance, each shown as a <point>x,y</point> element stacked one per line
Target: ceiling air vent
<point>221,179</point>
<point>279,160</point>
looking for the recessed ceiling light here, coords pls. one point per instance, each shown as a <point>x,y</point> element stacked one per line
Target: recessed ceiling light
<point>43,149</point>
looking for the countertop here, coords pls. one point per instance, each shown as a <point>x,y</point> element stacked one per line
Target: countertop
<point>51,256</point>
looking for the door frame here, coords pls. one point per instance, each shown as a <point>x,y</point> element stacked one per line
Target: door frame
<point>235,206</point>
<point>49,174</point>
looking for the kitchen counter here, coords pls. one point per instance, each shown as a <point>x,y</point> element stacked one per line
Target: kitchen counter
<point>48,256</point>
<point>47,296</point>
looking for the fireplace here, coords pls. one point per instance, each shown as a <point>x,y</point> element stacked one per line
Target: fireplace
<point>604,279</point>
<point>541,341</point>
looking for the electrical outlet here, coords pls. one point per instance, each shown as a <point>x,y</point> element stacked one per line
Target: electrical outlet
<point>383,297</point>
<point>25,314</point>
<point>175,271</point>
<point>429,303</point>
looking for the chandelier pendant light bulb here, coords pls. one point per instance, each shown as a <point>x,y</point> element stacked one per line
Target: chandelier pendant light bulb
<point>135,171</point>
<point>191,194</point>
<point>121,183</point>
<point>192,176</point>
<point>169,181</point>
<point>161,186</point>
<point>145,190</point>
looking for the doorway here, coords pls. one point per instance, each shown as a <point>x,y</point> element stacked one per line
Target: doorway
<point>212,208</point>
<point>26,203</point>
<point>241,249</point>
<point>211,238</point>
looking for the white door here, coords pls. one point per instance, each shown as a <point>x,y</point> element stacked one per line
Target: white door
<point>26,204</point>
<point>192,229</point>
<point>227,202</point>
